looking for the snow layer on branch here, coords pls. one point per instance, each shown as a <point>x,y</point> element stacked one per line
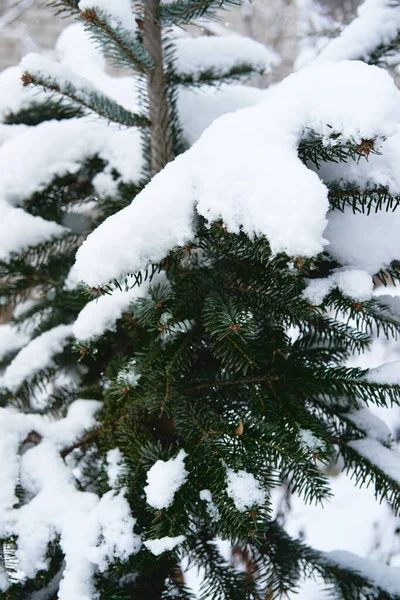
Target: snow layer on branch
<point>244,489</point>
<point>41,66</point>
<point>19,230</point>
<point>238,169</point>
<point>368,241</point>
<point>212,508</point>
<point>115,466</point>
<point>386,459</point>
<point>220,55</point>
<point>13,97</point>
<point>11,339</point>
<point>101,315</point>
<point>354,283</point>
<point>377,22</point>
<point>120,11</point>
<point>199,107</point>
<point>388,373</point>
<point>164,479</point>
<point>382,576</point>
<point>64,146</point>
<point>163,544</point>
<point>310,442</point>
<point>372,425</point>
<point>36,356</point>
<point>73,43</point>
<point>93,531</point>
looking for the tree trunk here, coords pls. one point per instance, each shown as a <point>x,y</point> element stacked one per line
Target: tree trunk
<point>160,130</point>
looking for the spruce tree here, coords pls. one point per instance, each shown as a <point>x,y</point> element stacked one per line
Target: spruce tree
<point>194,357</point>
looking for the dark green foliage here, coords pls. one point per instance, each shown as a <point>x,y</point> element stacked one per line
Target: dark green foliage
<point>224,358</point>
<point>185,11</point>
<point>93,100</point>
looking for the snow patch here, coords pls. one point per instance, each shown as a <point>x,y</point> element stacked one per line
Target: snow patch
<point>164,479</point>
<point>163,544</point>
<point>354,283</point>
<point>244,489</point>
<point>236,172</point>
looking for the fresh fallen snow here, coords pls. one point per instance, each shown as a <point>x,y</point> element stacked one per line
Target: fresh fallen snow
<point>101,314</point>
<point>115,467</point>
<point>93,531</point>
<point>128,375</point>
<point>20,230</point>
<point>64,146</point>
<point>310,442</point>
<point>355,283</point>
<point>388,373</point>
<point>237,171</point>
<point>164,544</point>
<point>35,356</point>
<point>377,22</point>
<point>212,508</point>
<point>50,71</point>
<point>199,107</point>
<point>370,242</point>
<point>13,97</point>
<point>380,575</point>
<point>386,459</point>
<point>73,43</point>
<point>370,424</point>
<point>244,489</point>
<point>164,479</point>
<point>219,55</point>
<point>120,11</point>
<point>12,338</point>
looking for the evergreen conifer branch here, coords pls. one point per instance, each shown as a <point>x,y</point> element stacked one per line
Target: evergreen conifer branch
<point>161,150</point>
<point>314,149</point>
<point>39,112</point>
<point>88,98</point>
<point>185,11</point>
<point>123,48</point>
<point>215,76</point>
<point>362,200</point>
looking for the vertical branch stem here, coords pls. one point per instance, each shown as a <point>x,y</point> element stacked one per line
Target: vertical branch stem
<point>160,133</point>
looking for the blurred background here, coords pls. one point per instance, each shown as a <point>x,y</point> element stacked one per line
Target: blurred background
<point>291,27</point>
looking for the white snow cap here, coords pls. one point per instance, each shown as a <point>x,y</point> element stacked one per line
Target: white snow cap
<point>377,22</point>
<point>118,10</point>
<point>34,357</point>
<point>354,283</point>
<point>238,171</point>
<point>384,576</point>
<point>388,373</point>
<point>244,489</point>
<point>164,479</point>
<point>115,466</point>
<point>102,314</point>
<point>221,54</point>
<point>163,544</point>
<point>93,531</point>
<point>11,338</point>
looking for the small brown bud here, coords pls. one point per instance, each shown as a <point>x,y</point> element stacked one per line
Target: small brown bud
<point>239,428</point>
<point>357,305</point>
<point>26,79</point>
<point>235,326</point>
<point>89,15</point>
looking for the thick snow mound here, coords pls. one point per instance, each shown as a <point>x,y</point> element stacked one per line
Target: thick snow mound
<point>245,170</point>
